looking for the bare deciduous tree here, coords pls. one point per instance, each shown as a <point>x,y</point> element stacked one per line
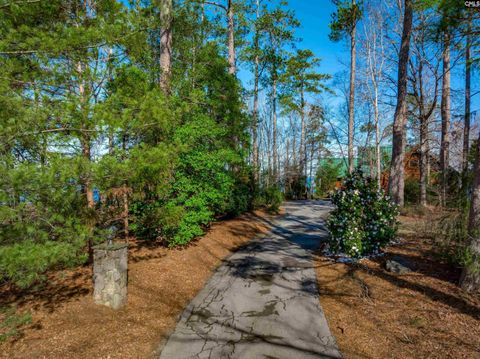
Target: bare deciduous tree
<point>445,111</point>
<point>374,52</point>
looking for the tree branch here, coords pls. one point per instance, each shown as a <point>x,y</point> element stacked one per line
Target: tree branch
<point>19,3</point>
<point>216,4</point>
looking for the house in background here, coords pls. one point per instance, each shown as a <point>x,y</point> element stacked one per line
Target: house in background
<point>411,165</point>
<point>337,162</point>
<point>366,161</point>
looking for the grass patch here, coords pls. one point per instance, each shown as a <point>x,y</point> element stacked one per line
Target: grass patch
<point>11,321</point>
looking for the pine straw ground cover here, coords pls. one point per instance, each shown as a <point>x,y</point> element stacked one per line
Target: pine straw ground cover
<point>377,314</point>
<point>65,323</point>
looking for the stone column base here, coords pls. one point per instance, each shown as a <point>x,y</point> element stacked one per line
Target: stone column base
<point>110,263</point>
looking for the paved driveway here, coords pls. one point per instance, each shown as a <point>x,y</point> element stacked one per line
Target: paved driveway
<point>263,301</point>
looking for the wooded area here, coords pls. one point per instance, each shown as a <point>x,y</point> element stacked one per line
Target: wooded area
<point>129,119</point>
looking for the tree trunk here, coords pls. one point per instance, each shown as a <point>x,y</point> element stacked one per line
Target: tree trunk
<point>374,72</point>
<point>470,280</point>
<point>87,183</point>
<point>255,102</point>
<point>125,190</point>
<point>351,100</point>
<point>310,173</point>
<point>269,158</point>
<point>231,39</point>
<point>445,112</point>
<point>86,153</point>
<point>466,128</point>
<point>287,163</point>
<point>87,187</point>
<point>274,128</point>
<point>303,147</point>
<point>111,129</point>
<point>294,150</point>
<point>378,158</point>
<point>166,16</point>
<point>396,183</point>
<point>423,137</point>
<point>423,160</point>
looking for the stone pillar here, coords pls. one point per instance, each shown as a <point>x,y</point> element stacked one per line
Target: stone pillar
<point>110,274</point>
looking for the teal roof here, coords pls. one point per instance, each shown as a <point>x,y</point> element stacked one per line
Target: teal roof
<point>341,162</point>
<point>362,160</point>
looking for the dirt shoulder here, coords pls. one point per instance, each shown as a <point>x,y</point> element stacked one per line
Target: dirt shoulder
<point>374,313</point>
<point>67,324</point>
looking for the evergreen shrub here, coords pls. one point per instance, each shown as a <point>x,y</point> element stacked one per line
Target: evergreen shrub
<point>270,198</point>
<point>364,218</point>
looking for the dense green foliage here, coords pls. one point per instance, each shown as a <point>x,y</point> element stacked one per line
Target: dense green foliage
<point>296,184</point>
<point>326,177</point>
<point>344,19</point>
<point>412,191</point>
<point>92,147</point>
<point>450,235</point>
<point>270,197</point>
<point>364,219</point>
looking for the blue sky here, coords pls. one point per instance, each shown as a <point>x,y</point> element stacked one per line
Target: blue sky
<point>314,17</point>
